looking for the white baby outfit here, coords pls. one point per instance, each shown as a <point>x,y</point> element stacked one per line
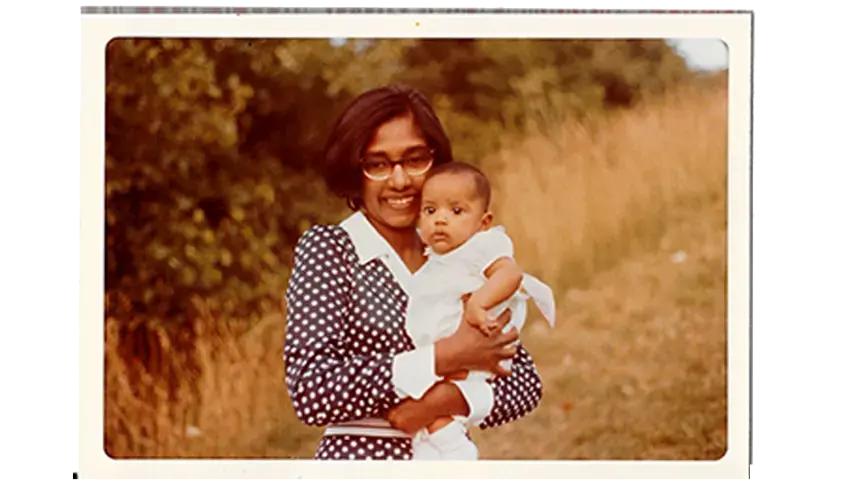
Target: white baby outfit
<point>435,311</point>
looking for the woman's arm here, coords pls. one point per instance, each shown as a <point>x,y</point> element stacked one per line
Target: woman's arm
<point>509,396</point>
<point>441,401</point>
<point>493,402</point>
<point>325,384</point>
<point>483,404</point>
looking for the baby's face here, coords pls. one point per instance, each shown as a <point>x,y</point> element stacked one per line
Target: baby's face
<point>451,211</point>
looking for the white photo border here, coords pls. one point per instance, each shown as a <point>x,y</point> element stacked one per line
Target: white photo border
<point>734,28</point>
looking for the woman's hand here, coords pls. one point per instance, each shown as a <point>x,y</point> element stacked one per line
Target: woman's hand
<point>409,416</point>
<point>469,349</point>
<point>442,400</point>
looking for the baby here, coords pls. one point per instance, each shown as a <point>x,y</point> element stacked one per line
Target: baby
<point>470,274</point>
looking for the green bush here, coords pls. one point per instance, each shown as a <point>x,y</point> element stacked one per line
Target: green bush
<point>213,146</point>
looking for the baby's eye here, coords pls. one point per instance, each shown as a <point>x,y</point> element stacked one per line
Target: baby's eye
<point>457,210</point>
<point>429,210</point>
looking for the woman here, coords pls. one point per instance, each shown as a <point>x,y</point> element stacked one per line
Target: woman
<point>349,363</point>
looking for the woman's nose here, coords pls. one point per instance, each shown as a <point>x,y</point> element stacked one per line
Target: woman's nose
<point>399,179</point>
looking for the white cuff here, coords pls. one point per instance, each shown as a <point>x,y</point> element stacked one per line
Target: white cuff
<point>478,395</point>
<point>414,372</point>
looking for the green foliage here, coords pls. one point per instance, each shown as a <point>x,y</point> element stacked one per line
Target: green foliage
<point>213,146</point>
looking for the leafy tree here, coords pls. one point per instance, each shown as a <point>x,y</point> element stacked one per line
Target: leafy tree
<point>213,146</point>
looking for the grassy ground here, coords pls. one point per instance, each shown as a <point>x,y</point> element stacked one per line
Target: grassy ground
<point>627,223</point>
<point>636,366</point>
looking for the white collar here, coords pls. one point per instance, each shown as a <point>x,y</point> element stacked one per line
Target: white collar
<point>370,244</point>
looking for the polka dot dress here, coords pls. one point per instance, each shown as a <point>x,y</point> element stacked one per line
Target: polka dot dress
<point>345,325</point>
<point>355,447</point>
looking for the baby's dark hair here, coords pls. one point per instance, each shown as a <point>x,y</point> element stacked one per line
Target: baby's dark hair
<point>481,183</point>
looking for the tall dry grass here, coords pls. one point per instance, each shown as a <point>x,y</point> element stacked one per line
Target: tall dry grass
<point>585,194</point>
<point>577,200</point>
<point>229,399</point>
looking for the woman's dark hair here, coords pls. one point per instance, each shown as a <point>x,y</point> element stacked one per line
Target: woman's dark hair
<point>356,127</point>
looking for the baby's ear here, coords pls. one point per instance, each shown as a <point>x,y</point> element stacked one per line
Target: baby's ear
<point>486,221</point>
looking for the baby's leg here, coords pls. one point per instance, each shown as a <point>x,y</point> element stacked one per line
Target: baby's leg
<point>449,436</point>
<point>479,375</point>
<point>452,443</point>
<point>439,423</point>
<point>423,449</point>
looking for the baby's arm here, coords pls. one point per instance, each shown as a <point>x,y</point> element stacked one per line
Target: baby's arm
<point>504,277</point>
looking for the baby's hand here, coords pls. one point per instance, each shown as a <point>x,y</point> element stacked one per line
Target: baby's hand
<point>478,318</point>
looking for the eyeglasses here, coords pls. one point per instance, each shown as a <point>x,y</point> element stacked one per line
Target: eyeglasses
<point>377,166</point>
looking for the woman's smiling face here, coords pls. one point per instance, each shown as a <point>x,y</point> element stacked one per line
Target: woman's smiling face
<point>394,202</point>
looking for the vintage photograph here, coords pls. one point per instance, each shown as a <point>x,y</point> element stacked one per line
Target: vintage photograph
<point>416,248</point>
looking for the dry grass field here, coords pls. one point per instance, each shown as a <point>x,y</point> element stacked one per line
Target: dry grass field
<point>625,216</point>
